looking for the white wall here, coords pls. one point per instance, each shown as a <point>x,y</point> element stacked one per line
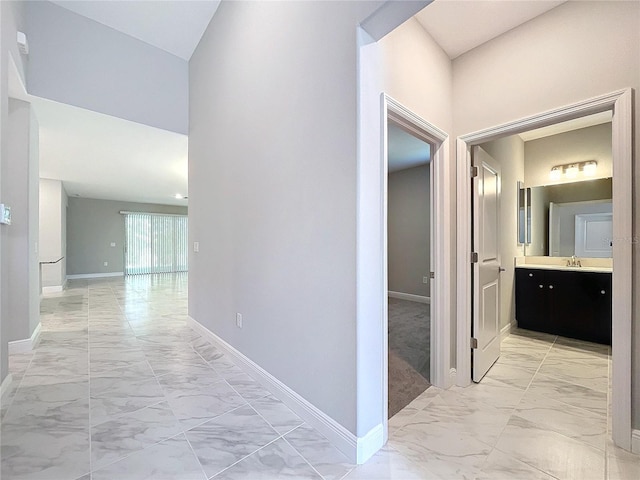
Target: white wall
<point>409,230</point>
<point>53,226</point>
<point>591,143</point>
<point>509,153</point>
<point>576,51</point>
<point>78,61</point>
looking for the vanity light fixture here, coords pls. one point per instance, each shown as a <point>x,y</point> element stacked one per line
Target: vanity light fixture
<point>572,170</point>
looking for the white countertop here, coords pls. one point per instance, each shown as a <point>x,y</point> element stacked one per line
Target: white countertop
<point>565,268</point>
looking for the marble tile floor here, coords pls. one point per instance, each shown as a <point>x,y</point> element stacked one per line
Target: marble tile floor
<point>120,388</point>
<point>541,412</point>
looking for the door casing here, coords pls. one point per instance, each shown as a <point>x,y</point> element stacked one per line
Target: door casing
<point>441,244</point>
<point>621,106</point>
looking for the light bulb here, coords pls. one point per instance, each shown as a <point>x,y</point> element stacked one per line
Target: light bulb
<point>556,173</point>
<point>571,171</point>
<point>590,169</point>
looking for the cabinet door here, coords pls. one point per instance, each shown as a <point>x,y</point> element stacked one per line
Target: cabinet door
<point>581,305</point>
<point>531,300</point>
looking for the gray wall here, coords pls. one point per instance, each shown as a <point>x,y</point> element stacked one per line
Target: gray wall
<point>78,61</point>
<point>409,222</point>
<point>272,176</point>
<point>557,53</point>
<point>91,227</point>
<point>509,153</point>
<point>591,143</point>
<point>20,192</point>
<point>11,19</point>
<point>53,232</point>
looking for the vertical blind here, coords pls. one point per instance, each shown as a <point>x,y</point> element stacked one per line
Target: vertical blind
<point>155,243</point>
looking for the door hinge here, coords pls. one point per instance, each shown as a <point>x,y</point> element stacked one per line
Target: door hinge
<point>474,172</point>
<point>474,343</point>
<point>474,257</point>
<point>432,274</point>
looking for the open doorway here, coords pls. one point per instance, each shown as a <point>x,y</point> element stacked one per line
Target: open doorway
<point>574,327</point>
<point>429,347</point>
<point>409,266</point>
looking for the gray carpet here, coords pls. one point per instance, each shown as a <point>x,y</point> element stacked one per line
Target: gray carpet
<point>409,352</point>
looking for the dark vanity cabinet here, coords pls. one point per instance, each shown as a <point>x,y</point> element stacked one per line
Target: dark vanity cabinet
<point>573,304</point>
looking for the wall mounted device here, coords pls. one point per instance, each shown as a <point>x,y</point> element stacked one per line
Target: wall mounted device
<point>23,45</point>
<point>5,214</point>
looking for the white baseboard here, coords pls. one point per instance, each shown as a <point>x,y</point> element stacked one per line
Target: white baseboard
<point>506,330</point>
<point>368,445</point>
<point>6,384</point>
<point>27,344</point>
<point>453,377</point>
<point>635,441</point>
<point>409,296</point>
<point>356,449</point>
<point>94,275</point>
<point>52,289</point>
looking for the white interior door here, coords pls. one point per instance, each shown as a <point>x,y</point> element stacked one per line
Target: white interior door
<point>486,271</point>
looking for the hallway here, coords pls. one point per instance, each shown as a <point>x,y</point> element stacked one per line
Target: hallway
<point>121,387</point>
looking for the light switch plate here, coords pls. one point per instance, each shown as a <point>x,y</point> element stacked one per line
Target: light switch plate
<point>5,214</point>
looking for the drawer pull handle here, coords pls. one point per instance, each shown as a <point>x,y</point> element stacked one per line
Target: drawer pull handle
<point>531,274</point>
<point>551,287</point>
<point>602,292</point>
<point>541,286</point>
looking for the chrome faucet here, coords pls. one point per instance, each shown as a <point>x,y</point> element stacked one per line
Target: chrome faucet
<point>573,262</point>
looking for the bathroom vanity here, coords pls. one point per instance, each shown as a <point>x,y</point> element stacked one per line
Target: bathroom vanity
<point>573,302</point>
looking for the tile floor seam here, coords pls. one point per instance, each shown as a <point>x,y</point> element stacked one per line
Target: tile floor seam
<point>133,452</point>
<point>302,456</point>
<point>577,407</point>
<point>13,396</point>
<point>246,456</point>
<point>204,472</point>
<point>185,430</point>
<point>120,416</point>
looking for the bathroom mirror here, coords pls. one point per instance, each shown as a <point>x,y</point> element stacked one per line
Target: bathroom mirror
<point>524,214</point>
<point>569,219</point>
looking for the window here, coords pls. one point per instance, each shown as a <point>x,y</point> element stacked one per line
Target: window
<point>155,243</point>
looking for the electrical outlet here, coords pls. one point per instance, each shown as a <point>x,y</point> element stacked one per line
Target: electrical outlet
<point>106,264</point>
<point>196,247</point>
<point>425,280</point>
<point>239,320</point>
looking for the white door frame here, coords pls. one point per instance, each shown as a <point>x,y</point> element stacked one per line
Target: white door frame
<point>441,242</point>
<point>620,104</point>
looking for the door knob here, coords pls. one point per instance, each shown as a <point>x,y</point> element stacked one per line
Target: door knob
<point>500,269</point>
